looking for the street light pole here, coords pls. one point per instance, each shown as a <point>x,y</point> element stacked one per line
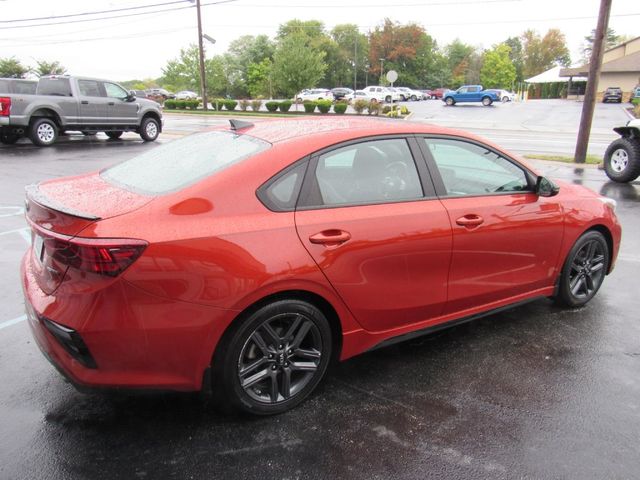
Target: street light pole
<point>203,83</point>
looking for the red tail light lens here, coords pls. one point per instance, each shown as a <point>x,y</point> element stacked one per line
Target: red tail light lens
<point>5,106</point>
<point>102,256</point>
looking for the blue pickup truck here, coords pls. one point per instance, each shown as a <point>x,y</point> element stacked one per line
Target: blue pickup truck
<point>470,93</point>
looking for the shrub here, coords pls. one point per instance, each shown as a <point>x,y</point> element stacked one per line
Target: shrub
<point>404,110</point>
<point>360,105</point>
<point>272,106</point>
<point>244,104</point>
<point>217,103</point>
<point>635,101</point>
<point>386,109</point>
<point>340,108</point>
<point>230,104</point>
<point>309,106</point>
<point>285,105</point>
<point>374,107</point>
<point>170,104</point>
<point>324,106</point>
<point>394,114</point>
<point>193,104</point>
<point>636,110</point>
<point>256,105</point>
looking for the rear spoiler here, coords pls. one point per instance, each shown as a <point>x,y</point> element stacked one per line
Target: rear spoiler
<point>35,195</point>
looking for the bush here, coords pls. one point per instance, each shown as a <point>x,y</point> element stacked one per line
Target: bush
<point>324,106</point>
<point>217,103</point>
<point>309,106</point>
<point>404,110</point>
<point>635,101</point>
<point>340,108</point>
<point>386,109</point>
<point>192,104</point>
<point>230,104</point>
<point>244,104</point>
<point>272,106</point>
<point>394,114</point>
<point>170,104</point>
<point>636,110</point>
<point>285,105</point>
<point>360,105</point>
<point>256,105</point>
<point>374,107</point>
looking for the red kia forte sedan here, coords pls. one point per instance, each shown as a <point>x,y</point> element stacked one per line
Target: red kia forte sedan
<point>243,260</point>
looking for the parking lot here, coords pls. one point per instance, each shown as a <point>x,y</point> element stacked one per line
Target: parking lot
<point>533,392</point>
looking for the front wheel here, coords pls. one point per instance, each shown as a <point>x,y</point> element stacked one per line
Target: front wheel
<point>622,160</point>
<point>43,132</point>
<point>486,101</point>
<point>449,101</point>
<point>584,270</point>
<point>414,98</point>
<point>149,129</point>
<point>273,359</point>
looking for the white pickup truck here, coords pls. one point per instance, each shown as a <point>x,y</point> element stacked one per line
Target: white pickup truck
<point>89,105</point>
<point>622,158</point>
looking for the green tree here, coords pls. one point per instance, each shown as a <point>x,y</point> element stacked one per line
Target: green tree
<point>352,53</point>
<point>516,56</point>
<point>49,68</point>
<point>296,64</point>
<point>259,82</point>
<point>542,53</point>
<point>11,67</point>
<point>610,40</point>
<point>459,57</point>
<point>242,53</point>
<point>183,73</point>
<point>498,70</point>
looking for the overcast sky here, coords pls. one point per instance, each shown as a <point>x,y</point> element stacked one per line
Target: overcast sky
<point>139,46</point>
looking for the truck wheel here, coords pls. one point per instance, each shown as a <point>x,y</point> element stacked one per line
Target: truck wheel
<point>387,99</point>
<point>114,135</point>
<point>149,129</point>
<point>43,132</point>
<point>8,138</point>
<point>486,101</point>
<point>622,160</point>
<point>450,101</point>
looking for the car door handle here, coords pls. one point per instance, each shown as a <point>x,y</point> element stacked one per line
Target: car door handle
<point>85,102</point>
<point>111,103</point>
<point>470,220</point>
<point>332,237</point>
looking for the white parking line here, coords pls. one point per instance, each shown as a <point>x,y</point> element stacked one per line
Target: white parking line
<point>23,232</point>
<point>14,321</point>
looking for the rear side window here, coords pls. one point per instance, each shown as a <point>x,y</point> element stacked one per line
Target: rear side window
<point>89,88</point>
<point>54,86</point>
<point>182,162</point>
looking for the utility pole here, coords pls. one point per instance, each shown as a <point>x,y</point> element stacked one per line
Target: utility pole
<point>355,63</point>
<point>203,83</point>
<point>595,64</point>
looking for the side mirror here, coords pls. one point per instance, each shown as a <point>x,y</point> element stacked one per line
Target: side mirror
<point>546,188</point>
<point>131,97</point>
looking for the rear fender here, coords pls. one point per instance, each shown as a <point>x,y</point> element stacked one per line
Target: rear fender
<point>628,132</point>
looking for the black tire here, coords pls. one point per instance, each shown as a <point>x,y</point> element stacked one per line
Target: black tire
<point>149,129</point>
<point>450,101</point>
<point>584,270</point>
<point>486,101</point>
<point>258,354</point>
<point>114,135</point>
<point>8,138</point>
<point>622,160</point>
<point>414,98</point>
<point>387,99</point>
<point>505,99</point>
<point>43,132</point>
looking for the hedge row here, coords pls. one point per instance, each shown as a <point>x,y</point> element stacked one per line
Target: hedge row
<point>181,104</point>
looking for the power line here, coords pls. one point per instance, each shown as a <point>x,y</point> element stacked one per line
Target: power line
<point>66,22</point>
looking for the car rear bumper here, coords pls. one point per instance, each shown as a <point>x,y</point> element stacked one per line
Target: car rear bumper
<point>121,337</point>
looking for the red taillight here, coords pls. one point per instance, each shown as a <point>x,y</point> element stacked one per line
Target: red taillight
<point>5,106</point>
<point>103,256</point>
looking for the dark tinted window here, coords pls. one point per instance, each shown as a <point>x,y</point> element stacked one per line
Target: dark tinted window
<point>281,194</point>
<point>182,162</point>
<point>54,86</point>
<point>89,88</point>
<point>25,88</point>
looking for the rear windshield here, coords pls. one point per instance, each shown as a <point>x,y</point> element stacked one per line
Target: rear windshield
<point>177,164</point>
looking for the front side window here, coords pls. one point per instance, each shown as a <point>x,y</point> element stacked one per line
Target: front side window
<point>115,91</point>
<point>470,169</point>
<point>369,172</point>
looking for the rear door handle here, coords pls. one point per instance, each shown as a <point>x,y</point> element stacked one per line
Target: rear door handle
<point>470,220</point>
<point>85,102</point>
<point>111,103</point>
<point>331,237</point>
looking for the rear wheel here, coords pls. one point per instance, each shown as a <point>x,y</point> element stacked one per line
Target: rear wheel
<point>273,359</point>
<point>584,270</point>
<point>43,132</point>
<point>149,129</point>
<point>486,101</point>
<point>387,99</point>
<point>114,135</point>
<point>622,160</point>
<point>449,101</point>
<point>414,98</point>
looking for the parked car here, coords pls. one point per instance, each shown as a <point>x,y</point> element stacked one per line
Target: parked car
<point>503,95</point>
<point>622,158</point>
<point>67,103</point>
<point>160,92</point>
<point>470,93</point>
<point>409,94</point>
<point>314,94</point>
<point>396,96</point>
<point>19,86</point>
<point>438,93</point>
<point>380,94</point>
<point>340,93</point>
<point>427,94</point>
<point>243,261</point>
<point>362,95</point>
<point>140,93</point>
<point>612,94</point>
<point>186,95</point>
<point>635,94</point>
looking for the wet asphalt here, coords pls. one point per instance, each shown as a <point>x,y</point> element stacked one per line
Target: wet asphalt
<point>536,392</point>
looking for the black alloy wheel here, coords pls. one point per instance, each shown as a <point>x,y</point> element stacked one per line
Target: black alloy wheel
<point>584,270</point>
<point>275,358</point>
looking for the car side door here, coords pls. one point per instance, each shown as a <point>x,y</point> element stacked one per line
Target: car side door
<point>368,217</point>
<point>506,238</point>
<point>92,103</point>
<point>121,111</point>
